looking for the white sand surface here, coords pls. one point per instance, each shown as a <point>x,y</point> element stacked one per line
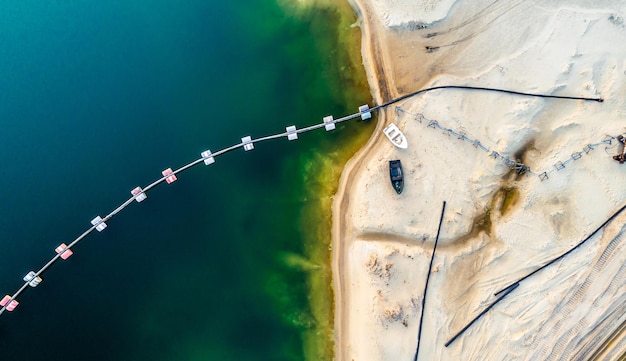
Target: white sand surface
<point>399,13</point>
<point>382,241</point>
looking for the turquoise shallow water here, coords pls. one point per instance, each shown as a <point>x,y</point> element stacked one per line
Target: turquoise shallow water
<point>99,97</point>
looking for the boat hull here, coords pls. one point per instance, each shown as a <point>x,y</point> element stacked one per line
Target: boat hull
<point>396,175</point>
<point>395,136</point>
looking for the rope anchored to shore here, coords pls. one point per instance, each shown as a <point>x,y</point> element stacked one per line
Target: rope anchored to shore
<point>430,267</point>
<point>556,259</point>
<point>519,168</point>
<point>508,290</point>
<point>466,87</point>
<point>513,285</point>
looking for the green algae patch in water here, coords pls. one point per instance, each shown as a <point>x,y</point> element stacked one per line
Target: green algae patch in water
<point>343,80</point>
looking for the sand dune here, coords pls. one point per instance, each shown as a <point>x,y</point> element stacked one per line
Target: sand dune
<point>499,225</point>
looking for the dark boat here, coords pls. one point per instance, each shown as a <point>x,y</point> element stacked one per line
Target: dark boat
<point>395,174</point>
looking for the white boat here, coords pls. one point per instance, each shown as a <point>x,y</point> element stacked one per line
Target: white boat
<point>395,136</point>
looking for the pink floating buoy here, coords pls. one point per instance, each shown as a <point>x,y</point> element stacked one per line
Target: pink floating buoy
<point>169,175</point>
<point>62,249</point>
<point>11,306</point>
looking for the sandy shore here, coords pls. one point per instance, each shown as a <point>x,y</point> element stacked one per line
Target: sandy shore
<point>498,226</point>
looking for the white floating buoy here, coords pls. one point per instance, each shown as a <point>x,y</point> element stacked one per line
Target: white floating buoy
<point>138,194</point>
<point>169,175</point>
<point>291,132</point>
<point>329,123</point>
<point>362,110</point>
<point>208,158</point>
<point>63,251</point>
<point>99,223</point>
<point>247,143</point>
<point>32,280</point>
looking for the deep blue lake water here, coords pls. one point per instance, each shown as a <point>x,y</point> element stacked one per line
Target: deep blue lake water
<point>97,97</point>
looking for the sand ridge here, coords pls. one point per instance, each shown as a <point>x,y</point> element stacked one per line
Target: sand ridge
<point>382,241</point>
